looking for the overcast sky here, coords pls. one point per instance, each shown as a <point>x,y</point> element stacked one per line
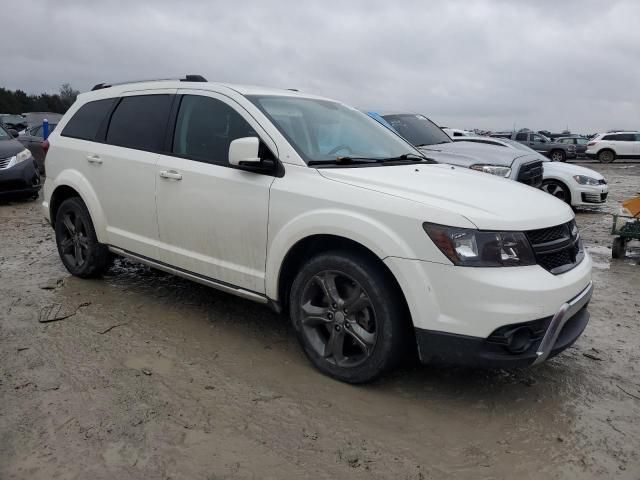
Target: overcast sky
<point>487,64</point>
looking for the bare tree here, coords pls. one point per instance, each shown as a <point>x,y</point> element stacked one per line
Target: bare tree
<point>68,94</point>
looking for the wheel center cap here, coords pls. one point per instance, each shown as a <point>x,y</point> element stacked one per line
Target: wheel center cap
<point>339,318</point>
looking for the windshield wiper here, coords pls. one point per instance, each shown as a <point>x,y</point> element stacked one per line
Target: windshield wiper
<point>412,157</point>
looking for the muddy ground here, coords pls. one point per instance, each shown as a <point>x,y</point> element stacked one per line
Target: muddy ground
<point>158,378</point>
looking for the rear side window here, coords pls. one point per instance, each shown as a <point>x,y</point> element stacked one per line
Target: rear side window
<point>86,122</point>
<point>139,122</point>
<point>522,136</point>
<point>206,127</point>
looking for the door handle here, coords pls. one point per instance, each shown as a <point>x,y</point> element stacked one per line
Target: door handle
<point>171,174</point>
<point>94,159</point>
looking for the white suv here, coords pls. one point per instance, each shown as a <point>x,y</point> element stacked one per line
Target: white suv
<point>606,147</point>
<point>312,207</point>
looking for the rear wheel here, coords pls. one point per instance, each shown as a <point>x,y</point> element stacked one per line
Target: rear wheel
<point>348,316</point>
<point>619,248</point>
<point>558,156</point>
<point>606,156</point>
<point>78,246</point>
<point>557,189</point>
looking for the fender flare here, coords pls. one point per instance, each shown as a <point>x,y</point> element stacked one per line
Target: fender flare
<point>74,179</point>
<point>364,230</point>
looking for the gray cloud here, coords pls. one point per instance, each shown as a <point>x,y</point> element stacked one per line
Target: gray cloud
<point>486,64</point>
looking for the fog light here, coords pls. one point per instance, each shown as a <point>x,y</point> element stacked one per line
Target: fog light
<point>519,340</point>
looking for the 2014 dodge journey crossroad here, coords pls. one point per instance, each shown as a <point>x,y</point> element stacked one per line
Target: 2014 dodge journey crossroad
<point>314,208</point>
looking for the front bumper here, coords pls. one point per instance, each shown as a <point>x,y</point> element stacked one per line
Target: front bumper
<point>22,178</point>
<point>589,194</point>
<point>510,346</point>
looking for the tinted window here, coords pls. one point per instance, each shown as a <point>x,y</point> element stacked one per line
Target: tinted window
<point>537,138</point>
<point>139,122</point>
<point>86,121</point>
<point>418,129</point>
<point>206,127</point>
<point>582,141</point>
<point>522,136</point>
<point>627,137</point>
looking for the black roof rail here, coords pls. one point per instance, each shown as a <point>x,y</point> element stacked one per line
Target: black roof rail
<point>187,78</point>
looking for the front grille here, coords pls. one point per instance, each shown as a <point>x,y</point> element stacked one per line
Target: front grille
<point>594,197</point>
<point>531,174</point>
<point>557,249</point>
<point>4,162</point>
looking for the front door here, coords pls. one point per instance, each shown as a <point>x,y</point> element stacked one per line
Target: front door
<point>212,218</point>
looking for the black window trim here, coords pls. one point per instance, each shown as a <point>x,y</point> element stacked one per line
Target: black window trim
<point>278,170</point>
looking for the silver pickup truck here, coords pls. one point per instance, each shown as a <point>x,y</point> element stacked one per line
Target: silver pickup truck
<point>557,152</point>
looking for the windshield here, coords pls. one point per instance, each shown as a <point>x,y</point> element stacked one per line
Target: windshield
<point>417,129</point>
<point>322,130</point>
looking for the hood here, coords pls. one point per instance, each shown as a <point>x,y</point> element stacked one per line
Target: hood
<point>466,154</point>
<point>487,201</point>
<point>570,169</point>
<point>8,148</point>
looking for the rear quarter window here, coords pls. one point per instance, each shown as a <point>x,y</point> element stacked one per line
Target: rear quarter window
<point>139,122</point>
<point>86,122</point>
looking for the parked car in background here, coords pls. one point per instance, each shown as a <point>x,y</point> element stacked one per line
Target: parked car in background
<point>579,142</point>
<point>576,185</point>
<point>33,138</point>
<point>18,170</point>
<point>558,152</point>
<point>607,147</point>
<point>310,206</point>
<point>13,122</point>
<point>456,132</point>
<point>524,167</point>
<point>36,118</point>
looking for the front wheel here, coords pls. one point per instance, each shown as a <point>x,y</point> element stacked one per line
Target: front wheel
<point>606,156</point>
<point>557,189</point>
<point>558,156</point>
<point>78,246</point>
<point>348,316</point>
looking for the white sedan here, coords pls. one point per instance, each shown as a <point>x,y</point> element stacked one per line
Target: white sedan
<point>576,185</point>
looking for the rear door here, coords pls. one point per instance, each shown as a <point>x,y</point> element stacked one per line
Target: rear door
<point>122,167</point>
<point>212,217</point>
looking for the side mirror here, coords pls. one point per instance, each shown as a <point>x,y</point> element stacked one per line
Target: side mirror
<point>243,152</point>
<point>13,132</point>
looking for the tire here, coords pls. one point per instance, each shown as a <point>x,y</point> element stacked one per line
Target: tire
<point>606,156</point>
<point>78,246</point>
<point>557,189</point>
<point>619,248</point>
<point>558,156</point>
<point>349,316</point>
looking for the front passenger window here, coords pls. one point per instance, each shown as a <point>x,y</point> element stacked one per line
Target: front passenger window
<point>206,127</point>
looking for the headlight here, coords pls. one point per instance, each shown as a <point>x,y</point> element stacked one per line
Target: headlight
<point>476,248</point>
<point>584,180</point>
<point>492,169</point>
<point>19,157</point>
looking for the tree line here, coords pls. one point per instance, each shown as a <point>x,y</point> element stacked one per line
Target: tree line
<point>17,101</point>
